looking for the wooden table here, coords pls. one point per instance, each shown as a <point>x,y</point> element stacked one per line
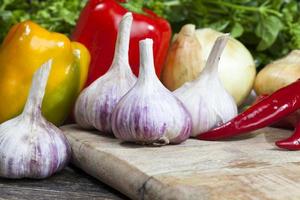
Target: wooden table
<point>248,167</point>
<point>71,183</point>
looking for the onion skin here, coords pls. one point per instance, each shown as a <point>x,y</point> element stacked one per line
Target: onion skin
<point>184,61</point>
<point>278,74</point>
<point>236,68</point>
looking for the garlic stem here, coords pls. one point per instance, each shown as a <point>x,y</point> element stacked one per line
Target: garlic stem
<point>34,101</point>
<point>120,59</point>
<point>211,66</point>
<point>147,72</point>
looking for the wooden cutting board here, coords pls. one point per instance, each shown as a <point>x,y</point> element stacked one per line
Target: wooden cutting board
<point>248,167</point>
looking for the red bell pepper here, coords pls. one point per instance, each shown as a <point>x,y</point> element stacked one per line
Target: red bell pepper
<point>265,112</point>
<point>97,29</point>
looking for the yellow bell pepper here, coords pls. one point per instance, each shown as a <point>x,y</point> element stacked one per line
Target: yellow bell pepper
<point>24,49</point>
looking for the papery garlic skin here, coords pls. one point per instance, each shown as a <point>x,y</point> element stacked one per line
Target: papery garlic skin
<point>30,146</point>
<point>184,61</point>
<point>37,154</point>
<point>95,104</point>
<point>206,98</point>
<point>149,113</point>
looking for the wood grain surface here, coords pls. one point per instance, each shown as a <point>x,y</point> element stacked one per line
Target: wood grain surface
<point>247,167</point>
<point>69,184</point>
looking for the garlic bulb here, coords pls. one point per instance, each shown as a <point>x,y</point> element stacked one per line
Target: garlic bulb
<point>184,61</point>
<point>30,146</point>
<point>95,104</point>
<point>236,68</point>
<point>205,97</point>
<point>149,113</point>
<point>278,74</point>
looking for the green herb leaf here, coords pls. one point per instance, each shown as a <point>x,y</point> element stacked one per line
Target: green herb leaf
<point>237,30</point>
<point>219,25</point>
<point>55,15</point>
<point>134,6</point>
<point>267,29</point>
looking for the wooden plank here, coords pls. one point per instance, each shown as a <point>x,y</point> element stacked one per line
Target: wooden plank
<point>68,184</point>
<point>248,167</point>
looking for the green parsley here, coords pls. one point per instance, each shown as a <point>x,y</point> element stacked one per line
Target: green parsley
<point>55,15</point>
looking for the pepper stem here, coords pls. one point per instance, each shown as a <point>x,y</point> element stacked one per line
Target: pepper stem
<point>37,90</point>
<point>146,60</point>
<point>122,43</point>
<point>211,66</point>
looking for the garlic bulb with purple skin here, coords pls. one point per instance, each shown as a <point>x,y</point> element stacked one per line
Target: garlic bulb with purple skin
<point>205,97</point>
<point>30,146</point>
<point>149,113</point>
<point>95,104</point>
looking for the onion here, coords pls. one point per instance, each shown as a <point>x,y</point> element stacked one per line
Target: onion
<point>278,74</point>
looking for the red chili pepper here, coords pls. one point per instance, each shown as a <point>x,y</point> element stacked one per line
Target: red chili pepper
<point>293,142</point>
<point>264,113</point>
<point>288,122</point>
<point>97,30</point>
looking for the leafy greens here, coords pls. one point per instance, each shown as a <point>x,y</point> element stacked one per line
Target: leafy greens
<point>268,28</point>
<point>55,15</point>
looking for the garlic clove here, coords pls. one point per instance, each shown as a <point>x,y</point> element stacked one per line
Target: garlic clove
<point>95,104</point>
<point>30,146</point>
<point>184,61</point>
<point>149,113</point>
<point>205,98</point>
